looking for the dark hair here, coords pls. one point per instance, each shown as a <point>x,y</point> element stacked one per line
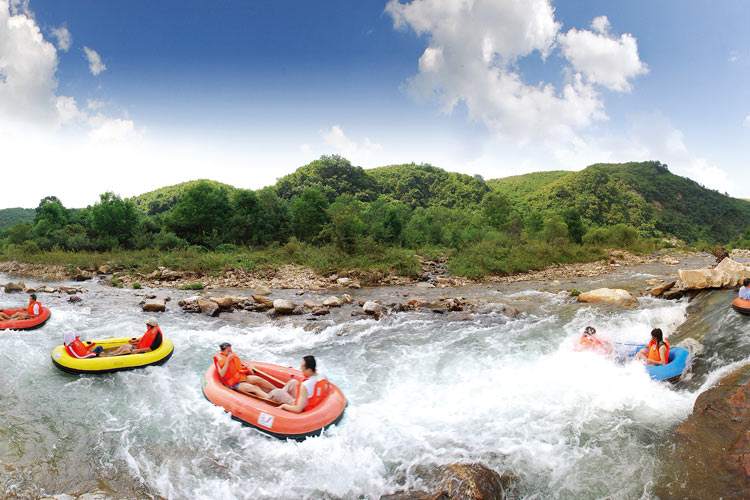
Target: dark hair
<point>746,282</point>
<point>658,335</point>
<point>33,296</point>
<point>310,362</point>
<point>224,345</point>
<point>590,330</point>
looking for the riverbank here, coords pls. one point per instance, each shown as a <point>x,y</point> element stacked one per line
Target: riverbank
<point>430,273</point>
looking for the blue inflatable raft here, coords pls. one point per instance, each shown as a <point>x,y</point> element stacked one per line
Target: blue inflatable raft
<point>678,363</point>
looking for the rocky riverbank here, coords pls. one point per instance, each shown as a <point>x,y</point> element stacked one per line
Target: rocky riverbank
<point>434,273</point>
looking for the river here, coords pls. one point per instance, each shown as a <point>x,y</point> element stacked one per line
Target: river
<point>424,389</point>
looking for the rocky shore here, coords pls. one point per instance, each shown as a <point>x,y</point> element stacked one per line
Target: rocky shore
<point>434,274</point>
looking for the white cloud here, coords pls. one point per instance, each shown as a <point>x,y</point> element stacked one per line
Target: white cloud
<point>337,139</point>
<point>734,56</point>
<point>63,37</point>
<point>746,121</point>
<point>473,48</point>
<point>602,58</point>
<point>96,65</point>
<point>106,129</point>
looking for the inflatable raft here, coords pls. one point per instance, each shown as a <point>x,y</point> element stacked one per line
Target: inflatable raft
<point>67,363</point>
<point>265,416</point>
<point>742,306</point>
<point>25,324</point>
<point>672,371</point>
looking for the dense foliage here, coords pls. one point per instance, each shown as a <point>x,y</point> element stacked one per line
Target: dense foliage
<point>329,214</point>
<point>12,216</point>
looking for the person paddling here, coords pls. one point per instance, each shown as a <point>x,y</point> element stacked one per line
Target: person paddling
<point>33,309</point>
<point>657,350</point>
<point>744,292</point>
<point>237,375</point>
<point>590,341</point>
<point>297,396</point>
<point>149,341</point>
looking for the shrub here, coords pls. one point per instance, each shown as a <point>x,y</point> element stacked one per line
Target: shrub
<point>136,286</point>
<point>192,286</point>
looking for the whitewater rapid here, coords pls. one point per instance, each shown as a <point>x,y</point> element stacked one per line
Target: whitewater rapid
<point>423,390</point>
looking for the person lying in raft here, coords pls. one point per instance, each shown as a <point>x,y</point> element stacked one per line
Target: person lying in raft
<point>590,341</point>
<point>744,292</point>
<point>297,396</point>
<point>657,350</point>
<point>149,341</point>
<point>237,375</point>
<point>33,309</point>
<point>80,350</point>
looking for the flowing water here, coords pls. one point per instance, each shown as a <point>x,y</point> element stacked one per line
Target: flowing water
<point>423,389</point>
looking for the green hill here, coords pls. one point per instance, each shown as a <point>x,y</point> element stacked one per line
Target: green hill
<point>12,216</point>
<point>162,199</point>
<point>645,195</point>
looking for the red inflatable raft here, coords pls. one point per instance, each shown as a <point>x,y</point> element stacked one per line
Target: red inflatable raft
<point>25,324</point>
<point>742,306</point>
<point>265,416</point>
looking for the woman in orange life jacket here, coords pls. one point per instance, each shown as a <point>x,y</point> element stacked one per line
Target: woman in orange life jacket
<point>237,375</point>
<point>297,396</point>
<point>149,341</point>
<point>590,341</point>
<point>76,348</point>
<point>33,309</point>
<point>657,350</point>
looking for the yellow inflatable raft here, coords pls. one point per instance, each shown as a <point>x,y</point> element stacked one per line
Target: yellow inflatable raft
<point>67,363</point>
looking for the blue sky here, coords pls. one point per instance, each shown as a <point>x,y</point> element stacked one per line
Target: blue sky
<point>247,91</point>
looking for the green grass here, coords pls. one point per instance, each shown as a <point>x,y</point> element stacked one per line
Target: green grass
<point>193,286</point>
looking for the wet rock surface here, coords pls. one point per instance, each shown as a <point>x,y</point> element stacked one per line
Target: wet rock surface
<point>727,274</point>
<point>612,296</point>
<point>462,482</point>
<point>711,456</point>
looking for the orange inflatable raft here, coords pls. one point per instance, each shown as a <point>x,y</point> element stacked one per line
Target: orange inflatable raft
<point>742,306</point>
<point>265,417</point>
<point>25,324</point>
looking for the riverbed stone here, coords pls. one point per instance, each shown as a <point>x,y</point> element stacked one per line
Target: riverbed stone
<point>320,311</point>
<point>283,306</point>
<point>332,301</point>
<point>11,287</point>
<point>372,308</point>
<point>74,299</point>
<point>711,453</point>
<point>462,482</point>
<point>659,290</point>
<point>727,274</point>
<point>208,307</point>
<point>612,296</point>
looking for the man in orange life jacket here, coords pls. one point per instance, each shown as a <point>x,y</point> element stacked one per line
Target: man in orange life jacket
<point>657,350</point>
<point>590,341</point>
<point>237,375</point>
<point>33,309</point>
<point>297,396</point>
<point>149,341</point>
<point>79,349</point>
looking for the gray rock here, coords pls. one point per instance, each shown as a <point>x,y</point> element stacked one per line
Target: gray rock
<point>372,308</point>
<point>283,306</point>
<point>154,305</point>
<point>11,287</point>
<point>208,307</point>
<point>332,301</point>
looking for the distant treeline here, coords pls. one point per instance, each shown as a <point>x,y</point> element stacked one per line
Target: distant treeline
<point>499,226</point>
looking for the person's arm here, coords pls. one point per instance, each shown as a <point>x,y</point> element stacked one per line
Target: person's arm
<point>223,369</point>
<point>300,404</point>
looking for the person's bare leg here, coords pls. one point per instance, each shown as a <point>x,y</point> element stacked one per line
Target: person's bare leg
<point>264,384</point>
<point>118,351</point>
<point>251,390</point>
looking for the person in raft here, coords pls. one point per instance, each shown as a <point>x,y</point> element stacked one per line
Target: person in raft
<point>745,289</point>
<point>79,349</point>
<point>237,375</point>
<point>297,396</point>
<point>149,341</point>
<point>657,350</point>
<point>590,341</point>
<point>33,309</point>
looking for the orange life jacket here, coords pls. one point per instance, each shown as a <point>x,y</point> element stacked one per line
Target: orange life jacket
<point>320,391</point>
<point>30,309</point>
<point>148,338</point>
<point>81,349</point>
<point>235,372</point>
<point>653,352</point>
<point>590,342</point>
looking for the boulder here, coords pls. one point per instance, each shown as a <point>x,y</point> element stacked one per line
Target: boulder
<point>727,274</point>
<point>71,290</point>
<point>208,307</point>
<point>310,304</point>
<point>228,303</point>
<point>343,281</point>
<point>82,275</point>
<point>262,299</point>
<point>670,261</point>
<point>11,287</point>
<point>462,482</point>
<point>346,298</point>
<point>320,311</point>
<point>659,290</point>
<point>372,308</point>
<point>104,269</point>
<point>283,306</point>
<point>710,457</point>
<point>46,289</point>
<point>154,305</point>
<point>332,301</point>
<point>613,296</point>
<point>73,299</point>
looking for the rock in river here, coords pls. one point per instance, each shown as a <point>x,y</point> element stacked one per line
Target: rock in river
<point>614,296</point>
<point>283,306</point>
<point>727,274</point>
<point>462,482</point>
<point>14,287</point>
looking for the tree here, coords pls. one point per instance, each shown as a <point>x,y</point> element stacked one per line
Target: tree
<point>273,218</point>
<point>555,231</point>
<point>347,224</point>
<point>572,218</point>
<point>497,209</point>
<point>244,220</point>
<point>200,215</point>
<point>114,219</point>
<point>333,175</point>
<point>307,213</point>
